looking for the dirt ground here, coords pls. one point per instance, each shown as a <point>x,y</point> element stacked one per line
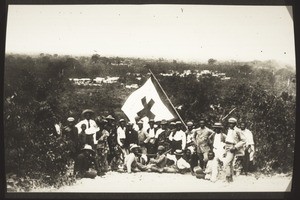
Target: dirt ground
<point>154,182</point>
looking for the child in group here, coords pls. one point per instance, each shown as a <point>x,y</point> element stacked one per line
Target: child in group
<point>209,166</point>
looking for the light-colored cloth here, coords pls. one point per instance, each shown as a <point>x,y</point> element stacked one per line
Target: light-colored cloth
<point>130,162</point>
<point>91,128</point>
<point>189,136</point>
<point>182,164</point>
<point>179,135</point>
<point>121,135</point>
<point>150,136</point>
<point>158,132</point>
<point>249,142</point>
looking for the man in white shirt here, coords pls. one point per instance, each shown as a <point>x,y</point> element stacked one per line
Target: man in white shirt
<point>91,126</point>
<point>249,148</point>
<point>178,138</point>
<point>218,142</point>
<point>180,165</point>
<point>121,135</point>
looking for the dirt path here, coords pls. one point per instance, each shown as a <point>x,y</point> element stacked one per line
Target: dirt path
<point>153,182</point>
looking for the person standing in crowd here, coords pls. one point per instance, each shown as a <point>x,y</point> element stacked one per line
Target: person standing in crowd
<point>70,133</point>
<point>158,163</point>
<point>249,148</point>
<point>235,142</point>
<point>91,126</point>
<point>178,138</point>
<point>141,132</point>
<point>83,167</point>
<point>190,144</point>
<point>202,142</point>
<point>101,163</point>
<point>117,162</point>
<point>218,142</point>
<point>162,135</point>
<point>112,138</point>
<point>103,139</point>
<point>131,137</point>
<point>121,135</point>
<point>150,140</point>
<point>82,137</point>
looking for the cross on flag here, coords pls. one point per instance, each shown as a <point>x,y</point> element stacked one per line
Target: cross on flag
<point>146,102</point>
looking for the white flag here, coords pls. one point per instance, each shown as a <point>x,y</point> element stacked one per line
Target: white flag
<point>145,102</point>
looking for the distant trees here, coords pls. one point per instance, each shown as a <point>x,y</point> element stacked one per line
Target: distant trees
<point>211,61</point>
<point>37,94</point>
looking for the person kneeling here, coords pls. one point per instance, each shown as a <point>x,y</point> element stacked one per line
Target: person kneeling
<point>84,163</point>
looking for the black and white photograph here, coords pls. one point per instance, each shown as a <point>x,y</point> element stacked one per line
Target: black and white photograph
<point>150,98</point>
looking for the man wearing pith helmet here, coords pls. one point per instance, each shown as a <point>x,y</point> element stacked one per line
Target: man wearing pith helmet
<point>235,140</point>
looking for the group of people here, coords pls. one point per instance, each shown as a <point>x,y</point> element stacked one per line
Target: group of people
<point>104,143</point>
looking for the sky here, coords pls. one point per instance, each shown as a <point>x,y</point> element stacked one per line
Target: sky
<point>191,33</point>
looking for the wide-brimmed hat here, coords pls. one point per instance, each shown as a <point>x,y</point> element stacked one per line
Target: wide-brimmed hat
<point>70,119</point>
<point>151,121</point>
<point>178,152</point>
<point>110,117</point>
<point>178,123</point>
<point>172,123</point>
<point>160,148</point>
<point>163,122</point>
<point>87,111</point>
<point>134,146</point>
<point>217,125</point>
<point>88,148</point>
<point>189,123</point>
<point>122,120</point>
<point>140,122</point>
<point>232,120</point>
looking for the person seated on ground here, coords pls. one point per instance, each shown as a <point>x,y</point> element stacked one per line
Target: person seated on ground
<point>101,163</point>
<point>83,167</point>
<point>180,166</point>
<point>199,173</point>
<point>158,163</point>
<point>192,159</point>
<point>143,158</point>
<point>117,162</point>
<point>209,167</point>
<point>131,164</point>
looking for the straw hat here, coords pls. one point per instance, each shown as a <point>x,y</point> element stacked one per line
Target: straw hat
<point>88,148</point>
<point>163,122</point>
<point>217,125</point>
<point>70,119</point>
<point>232,120</point>
<point>87,111</point>
<point>160,148</point>
<point>189,123</point>
<point>134,146</point>
<point>178,152</point>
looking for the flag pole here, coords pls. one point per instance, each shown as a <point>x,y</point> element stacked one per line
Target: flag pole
<point>167,97</point>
